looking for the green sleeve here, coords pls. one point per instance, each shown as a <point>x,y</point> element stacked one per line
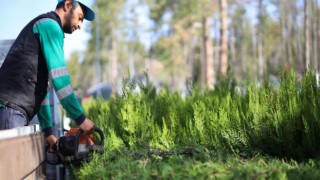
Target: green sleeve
<point>44,116</point>
<point>51,39</point>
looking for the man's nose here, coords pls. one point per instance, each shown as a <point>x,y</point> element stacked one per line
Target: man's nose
<point>79,25</point>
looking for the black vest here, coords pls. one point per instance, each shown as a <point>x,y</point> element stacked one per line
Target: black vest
<point>24,73</point>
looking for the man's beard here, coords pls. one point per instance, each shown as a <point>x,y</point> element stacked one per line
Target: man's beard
<point>67,28</point>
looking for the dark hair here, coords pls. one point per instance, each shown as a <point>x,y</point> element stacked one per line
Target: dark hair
<point>60,4</point>
<point>74,4</point>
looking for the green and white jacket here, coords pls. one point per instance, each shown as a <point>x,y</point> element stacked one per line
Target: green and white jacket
<point>35,60</point>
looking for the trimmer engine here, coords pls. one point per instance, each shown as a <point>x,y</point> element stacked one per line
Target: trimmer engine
<point>76,147</point>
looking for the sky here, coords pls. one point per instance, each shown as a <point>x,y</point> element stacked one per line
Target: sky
<point>15,14</point>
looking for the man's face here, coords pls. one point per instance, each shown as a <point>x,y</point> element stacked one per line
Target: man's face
<point>73,20</point>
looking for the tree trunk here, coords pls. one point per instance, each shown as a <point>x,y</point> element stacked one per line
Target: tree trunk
<point>306,36</point>
<point>284,35</point>
<point>253,65</point>
<point>233,46</point>
<point>224,38</point>
<point>97,48</point>
<point>208,55</point>
<point>288,40</point>
<point>190,60</point>
<point>113,62</point>
<point>243,52</point>
<point>298,44</point>
<point>315,35</point>
<point>260,43</point>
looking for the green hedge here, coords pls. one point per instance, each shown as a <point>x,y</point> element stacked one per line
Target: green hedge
<point>279,121</point>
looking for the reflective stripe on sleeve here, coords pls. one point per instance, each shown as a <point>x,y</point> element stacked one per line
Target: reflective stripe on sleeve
<point>64,92</point>
<point>58,72</point>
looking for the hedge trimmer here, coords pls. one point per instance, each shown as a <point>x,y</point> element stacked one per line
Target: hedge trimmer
<point>76,147</point>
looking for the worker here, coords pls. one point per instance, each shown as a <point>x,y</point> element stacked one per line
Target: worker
<point>35,63</point>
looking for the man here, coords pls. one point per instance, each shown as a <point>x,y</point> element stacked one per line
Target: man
<point>34,63</point>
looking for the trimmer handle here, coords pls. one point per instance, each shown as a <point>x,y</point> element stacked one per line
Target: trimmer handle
<point>99,131</point>
<point>77,138</point>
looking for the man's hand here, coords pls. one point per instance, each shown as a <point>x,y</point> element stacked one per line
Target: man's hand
<point>87,126</point>
<point>52,140</point>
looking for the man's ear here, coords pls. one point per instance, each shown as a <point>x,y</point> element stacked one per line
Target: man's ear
<point>67,5</point>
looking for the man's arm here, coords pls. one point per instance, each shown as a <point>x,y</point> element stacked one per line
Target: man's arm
<point>51,41</point>
<point>44,116</point>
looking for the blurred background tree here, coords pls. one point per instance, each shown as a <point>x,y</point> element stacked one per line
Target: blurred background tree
<point>178,42</point>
